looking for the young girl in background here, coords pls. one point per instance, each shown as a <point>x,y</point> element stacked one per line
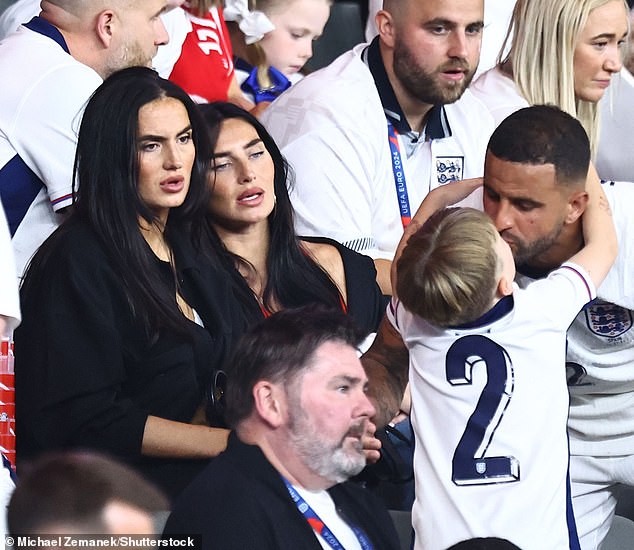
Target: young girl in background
<point>273,40</point>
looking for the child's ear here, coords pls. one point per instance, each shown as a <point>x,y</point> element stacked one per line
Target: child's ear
<point>505,287</point>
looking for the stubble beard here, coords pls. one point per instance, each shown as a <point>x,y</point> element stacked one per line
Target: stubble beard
<point>333,462</point>
<point>526,255</point>
<point>422,85</point>
<point>131,54</point>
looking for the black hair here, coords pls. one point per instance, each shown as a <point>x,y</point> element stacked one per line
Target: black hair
<point>544,134</point>
<point>72,489</point>
<point>294,278</point>
<point>107,198</point>
<point>488,543</point>
<point>279,349</point>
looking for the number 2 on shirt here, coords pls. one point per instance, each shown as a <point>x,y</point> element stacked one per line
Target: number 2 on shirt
<point>470,465</point>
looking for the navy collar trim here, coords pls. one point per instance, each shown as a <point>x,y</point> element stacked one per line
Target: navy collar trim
<point>42,26</point>
<point>437,126</point>
<point>241,64</point>
<point>499,310</point>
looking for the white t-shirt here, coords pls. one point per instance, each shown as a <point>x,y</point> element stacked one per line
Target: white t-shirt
<point>614,155</point>
<point>489,410</point>
<point>9,298</point>
<point>322,504</point>
<point>177,25</point>
<point>44,92</point>
<point>332,128</point>
<point>497,16</point>
<point>499,93</point>
<point>17,13</point>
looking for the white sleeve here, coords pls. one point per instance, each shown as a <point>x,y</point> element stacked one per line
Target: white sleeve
<point>47,125</point>
<point>392,312</point>
<point>177,25</point>
<point>562,294</point>
<point>16,14</point>
<point>333,192</point>
<point>9,298</point>
<point>618,286</point>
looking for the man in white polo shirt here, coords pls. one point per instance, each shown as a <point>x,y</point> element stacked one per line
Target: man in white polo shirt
<point>370,135</point>
<point>49,68</point>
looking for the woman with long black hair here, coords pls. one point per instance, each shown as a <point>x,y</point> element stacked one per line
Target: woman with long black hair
<point>124,324</point>
<point>251,224</point>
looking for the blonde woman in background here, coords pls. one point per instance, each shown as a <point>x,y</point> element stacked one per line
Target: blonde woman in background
<point>562,52</point>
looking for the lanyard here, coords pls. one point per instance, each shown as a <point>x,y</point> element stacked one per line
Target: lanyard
<point>399,175</point>
<point>319,526</point>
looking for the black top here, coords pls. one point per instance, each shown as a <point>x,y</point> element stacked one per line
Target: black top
<point>365,303</point>
<point>241,503</point>
<point>86,374</point>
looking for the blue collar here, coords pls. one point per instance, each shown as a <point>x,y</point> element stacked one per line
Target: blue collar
<point>42,26</point>
<point>251,85</point>
<point>437,126</point>
<point>499,310</point>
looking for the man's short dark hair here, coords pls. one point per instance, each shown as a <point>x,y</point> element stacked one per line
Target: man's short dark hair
<point>544,134</point>
<point>72,489</point>
<point>280,348</point>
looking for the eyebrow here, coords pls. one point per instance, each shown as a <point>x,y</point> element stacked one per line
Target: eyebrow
<point>352,380</point>
<point>247,146</point>
<point>512,199</point>
<point>151,137</point>
<point>608,35</point>
<point>526,200</point>
<point>440,21</point>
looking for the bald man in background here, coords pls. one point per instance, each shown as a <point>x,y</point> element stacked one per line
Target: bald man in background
<point>49,68</point>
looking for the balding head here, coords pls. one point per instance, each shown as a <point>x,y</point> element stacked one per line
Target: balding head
<point>87,8</point>
<point>430,50</point>
<point>108,35</point>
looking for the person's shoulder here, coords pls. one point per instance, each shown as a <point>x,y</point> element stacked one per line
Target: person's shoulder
<point>323,249</point>
<point>214,493</point>
<point>345,71</point>
<point>559,295</point>
<point>616,192</point>
<point>470,112</point>
<point>328,254</point>
<point>73,257</point>
<point>359,502</point>
<point>76,246</point>
<point>620,195</point>
<point>340,87</point>
<point>44,69</point>
<point>488,80</point>
<point>351,493</point>
<point>230,484</point>
<point>329,250</point>
<point>16,14</point>
<point>214,484</point>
